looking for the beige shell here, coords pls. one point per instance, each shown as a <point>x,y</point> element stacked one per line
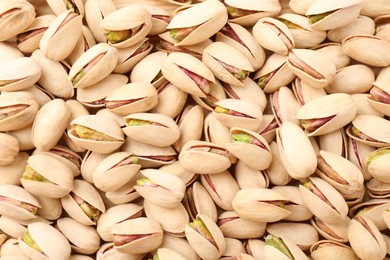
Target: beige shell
<point>160,19</point>
<point>215,131</point>
<point>176,169</point>
<point>284,106</point>
<point>334,51</point>
<point>233,226</point>
<point>59,6</point>
<point>328,249</point>
<point>248,177</point>
<point>268,127</point>
<point>108,252</point>
<point>335,142</point>
<point>148,68</point>
<point>11,174</point>
<point>377,189</point>
<point>180,245</point>
<point>10,149</point>
<point>9,52</point>
<point>22,73</point>
<point>216,93</point>
<point>377,166</point>
<point>362,25</point>
<point>363,106</point>
<point>51,208</point>
<point>379,106</point>
<point>336,232</point>
<point>89,163</point>
<point>276,172</point>
<point>166,254</point>
<point>40,94</point>
<point>85,42</point>
<point>305,93</point>
<point>357,154</point>
<point>107,112</point>
<point>372,209</point>
<point>125,194</point>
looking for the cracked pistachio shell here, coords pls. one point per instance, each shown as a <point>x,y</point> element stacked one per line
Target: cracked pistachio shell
<point>326,203</point>
<point>300,28</point>
<point>273,35</point>
<point>252,114</point>
<point>284,106</point>
<point>154,129</point>
<point>278,73</point>
<point>215,131</point>
<point>51,208</point>
<point>180,245</point>
<point>19,74</point>
<point>257,204</point>
<point>89,163</point>
<point>59,175</point>
<point>125,194</point>
<point>244,42</point>
<point>376,130</point>
<point>173,69</point>
<point>17,195</point>
<point>208,17</point>
<point>88,194</point>
<point>60,6</point>
<point>114,171</point>
<point>298,209</point>
<point>248,177</point>
<point>83,239</point>
<point>85,42</point>
<point>201,244</point>
<point>166,93</point>
<point>365,239</point>
<point>218,52</point>
<point>172,220</point>
<point>334,51</point>
<point>148,69</point>
<point>54,77</point>
<point>276,172</point>
<point>255,153</point>
<point>116,214</point>
<point>11,174</point>
<point>160,19</point>
<point>204,157</point>
<point>222,188</point>
<point>95,11</point>
<point>61,36</point>
<point>357,154</point>
<point>296,152</point>
<point>168,190</point>
<point>128,18</point>
<point>256,9</point>
<point>373,210</point>
<point>167,254</point>
<point>268,127</point>
<point>9,149</point>
<point>176,169</point>
<point>93,65</point>
<point>328,249</point>
<point>216,93</point>
<point>377,164</point>
<point>149,228</point>
<point>190,124</point>
<point>255,247</point>
<point>102,125</point>
<point>233,226</point>
<point>304,92</point>
<point>51,242</point>
<point>336,232</point>
<point>131,98</point>
<point>362,25</point>
<point>49,124</point>
<point>18,16</point>
<point>377,189</point>
<point>313,67</point>
<point>335,142</point>
<point>337,109</point>
<point>381,105</point>
<point>341,13</point>
<point>198,200</point>
<point>364,107</point>
<point>271,252</point>
<point>356,46</point>
<point>108,252</point>
<point>23,114</point>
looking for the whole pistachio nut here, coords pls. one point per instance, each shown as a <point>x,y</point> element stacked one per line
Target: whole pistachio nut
<point>130,56</point>
<point>273,35</point>
<point>268,127</point>
<point>126,26</point>
<point>248,177</point>
<point>357,154</point>
<point>198,201</point>
<point>377,189</point>
<point>379,97</point>
<point>93,65</point>
<point>89,163</point>
<point>373,210</point>
<point>151,128</point>
<point>362,25</point>
<point>215,131</point>
<point>41,95</point>
<point>125,194</point>
<point>115,171</point>
<point>11,174</point>
<point>371,130</point>
<point>276,172</point>
<point>324,249</point>
<point>131,98</point>
<point>197,23</point>
<point>205,237</point>
<point>204,157</point>
<point>108,252</point>
<point>180,245</point>
<point>227,63</point>
<point>364,106</point>
<point>190,123</point>
<point>83,203</point>
<point>336,232</point>
<point>284,106</point>
<point>334,51</point>
<point>83,239</point>
<point>216,93</point>
<point>296,152</point>
<point>381,29</point>
<point>51,208</point>
<point>42,241</point>
<point>365,239</point>
<point>312,67</point>
<point>84,43</point>
<point>137,236</point>
<point>282,248</point>
<point>324,201</point>
<point>248,12</point>
<point>166,253</point>
<point>100,134</point>
<point>16,16</point>
<point>9,149</point>
<point>161,188</point>
<point>333,14</point>
<point>376,164</point>
<point>47,176</point>
<point>334,142</point>
<point>11,228</point>
<point>234,249</point>
<point>149,69</point>
<point>260,205</point>
<point>59,6</point>
<point>355,45</point>
<point>274,74</point>
<point>176,169</point>
<point>255,248</point>
<point>188,73</point>
<point>95,11</point>
<point>61,36</point>
<point>160,19</point>
<point>239,38</point>
<point>17,110</point>
<point>17,203</point>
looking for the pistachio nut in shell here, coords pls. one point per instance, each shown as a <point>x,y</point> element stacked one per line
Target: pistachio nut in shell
<point>126,26</point>
<point>89,163</point>
<point>248,177</point>
<point>137,236</point>
<point>10,149</point>
<point>284,106</point>
<point>58,6</point>
<point>149,68</point>
<point>9,52</point>
<point>312,67</point>
<point>125,194</point>
<point>260,205</point>
<point>334,51</point>
<point>296,152</point>
<point>227,63</point>
<point>373,210</point>
<point>204,157</point>
<point>205,238</point>
<point>198,201</point>
<point>85,42</point>
<point>108,252</point>
<point>334,142</point>
<point>268,127</point>
<point>180,245</point>
<point>100,134</point>
<point>176,169</point>
<point>16,16</point>
<point>336,232</point>
<point>42,241</point>
<point>216,93</point>
<point>376,164</point>
<point>115,171</point>
<point>51,208</point>
<point>93,65</point>
<point>197,23</point>
<point>365,239</point>
<point>377,189</point>
<point>362,25</point>
<point>276,172</point>
<point>151,128</point>
<point>95,11</point>
<point>166,254</point>
<point>160,19</point>
<point>47,176</point>
<point>160,188</point>
<point>325,249</point>
<point>215,131</point>
<point>282,248</point>
<point>378,97</point>
<point>11,174</point>
<point>364,106</point>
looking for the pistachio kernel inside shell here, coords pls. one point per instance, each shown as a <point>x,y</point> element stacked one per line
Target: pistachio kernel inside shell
<point>379,95</point>
<point>243,137</point>
<point>155,257</point>
<point>22,37</point>
<point>363,222</point>
<point>236,72</point>
<point>311,125</point>
<point>359,134</point>
<point>122,239</point>
<point>4,83</point>
<point>210,149</point>
<point>71,5</point>
<point>170,47</point>
<point>313,188</point>
<point>326,169</point>
<point>12,110</point>
<point>289,24</point>
<point>301,65</point>
<point>140,122</point>
<point>265,79</point>
<point>271,126</point>
<point>234,12</point>
<point>122,35</point>
<point>84,132</point>
<point>222,110</point>
<point>27,238</point>
<point>89,66</point>
<point>228,31</point>
<point>68,156</point>
<point>146,182</point>
<point>126,161</point>
<point>321,225</point>
<point>279,244</point>
<point>89,210</point>
<point>318,17</point>
<point>9,13</point>
<point>285,39</point>
<point>201,82</point>
<point>199,226</point>
<point>179,34</point>
<point>376,155</point>
<point>32,175</point>
<point>27,206</point>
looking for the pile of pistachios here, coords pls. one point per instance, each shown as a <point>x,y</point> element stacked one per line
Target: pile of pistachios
<point>172,130</point>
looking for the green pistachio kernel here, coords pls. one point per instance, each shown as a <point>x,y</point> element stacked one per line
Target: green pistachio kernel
<point>145,182</point>
<point>241,74</point>
<point>6,82</point>
<point>88,133</point>
<point>30,241</point>
<point>200,227</point>
<point>278,244</point>
<point>222,110</point>
<point>138,122</point>
<point>78,77</point>
<point>241,138</point>
<point>376,155</point>
<point>318,17</point>
<point>155,257</point>
<point>91,212</point>
<point>117,36</point>
<point>31,174</point>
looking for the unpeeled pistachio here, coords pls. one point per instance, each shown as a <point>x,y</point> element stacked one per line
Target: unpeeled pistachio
<point>334,51</point>
<point>216,93</point>
<point>282,248</point>
<point>160,19</point>
<point>59,6</point>
<point>12,173</point>
<point>10,149</point>
<point>84,43</point>
<point>234,226</point>
<point>234,249</point>
<point>378,97</point>
<point>51,208</point>
<point>248,177</point>
<point>95,11</point>
<point>89,163</point>
<point>215,131</point>
<point>176,169</point>
<point>149,69</point>
<point>284,106</point>
<point>362,25</point>
<point>198,201</point>
<point>325,249</point>
<point>377,189</point>
<point>125,194</point>
<point>334,142</point>
<point>376,164</point>
<point>268,127</point>
<point>255,247</point>
<point>373,210</point>
<point>9,52</point>
<point>108,252</point>
<point>336,232</point>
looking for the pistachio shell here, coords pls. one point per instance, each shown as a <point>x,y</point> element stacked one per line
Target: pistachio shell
<point>10,149</point>
<point>271,252</point>
<point>51,208</point>
<point>160,19</point>
<point>328,249</point>
<point>21,73</point>
<point>364,106</point>
<point>108,252</point>
<point>11,174</point>
<point>216,93</point>
<point>377,189</point>
<point>379,105</point>
<point>176,169</point>
<point>276,172</point>
<point>357,154</point>
<point>180,245</point>
<point>233,226</point>
<point>268,127</point>
<point>372,209</point>
<point>85,42</point>
<point>362,25</point>
<point>125,194</point>
<point>335,52</point>
<point>284,106</point>
<point>148,68</point>
<point>215,131</point>
<point>248,177</point>
<point>9,52</point>
<point>89,163</point>
<point>376,164</point>
<point>165,254</point>
<point>334,142</point>
<point>59,6</point>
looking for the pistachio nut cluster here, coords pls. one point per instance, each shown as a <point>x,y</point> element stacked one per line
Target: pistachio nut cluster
<point>195,129</point>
